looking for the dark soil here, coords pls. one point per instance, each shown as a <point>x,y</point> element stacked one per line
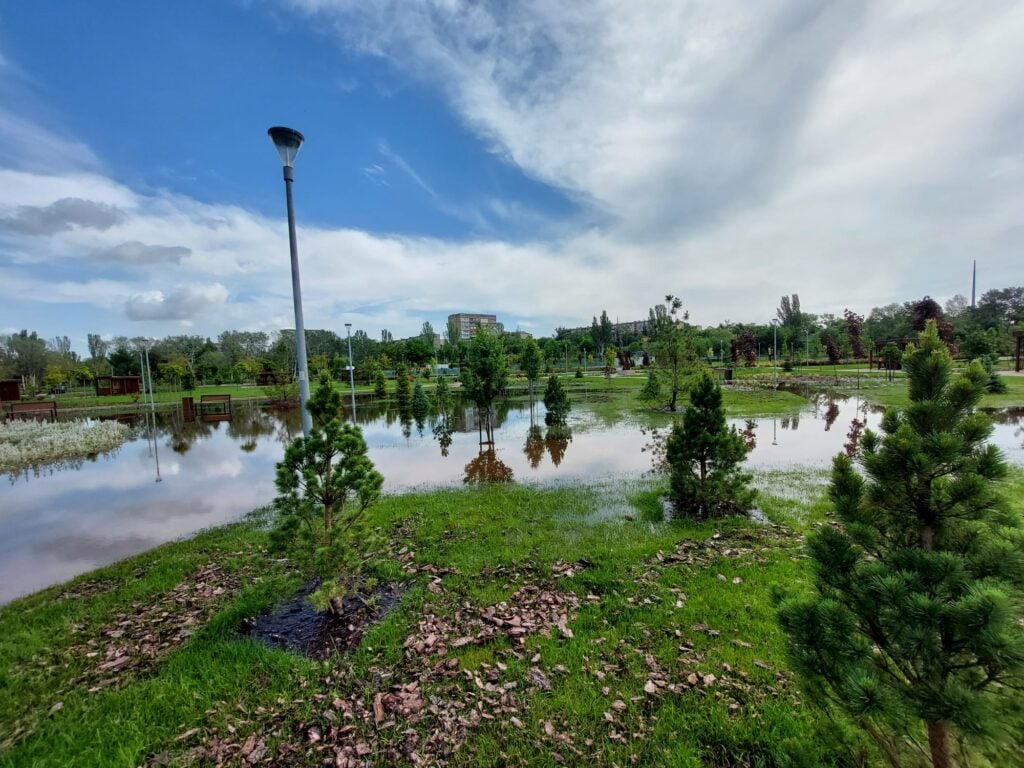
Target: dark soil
<point>298,626</point>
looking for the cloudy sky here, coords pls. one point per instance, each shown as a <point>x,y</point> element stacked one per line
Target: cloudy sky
<point>540,159</point>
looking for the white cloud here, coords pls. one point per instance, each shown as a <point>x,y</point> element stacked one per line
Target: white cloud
<point>185,302</point>
<point>856,153</point>
<point>135,252</point>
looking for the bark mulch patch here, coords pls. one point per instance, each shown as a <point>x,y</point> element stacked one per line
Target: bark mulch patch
<point>136,639</point>
<point>299,627</point>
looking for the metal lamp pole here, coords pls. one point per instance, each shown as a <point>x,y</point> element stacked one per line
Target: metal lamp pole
<point>775,354</point>
<point>287,142</point>
<point>351,370</point>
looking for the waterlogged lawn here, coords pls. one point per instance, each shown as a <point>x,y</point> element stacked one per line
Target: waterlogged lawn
<point>667,653</point>
<point>25,444</point>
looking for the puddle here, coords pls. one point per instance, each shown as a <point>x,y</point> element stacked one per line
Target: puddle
<point>297,625</point>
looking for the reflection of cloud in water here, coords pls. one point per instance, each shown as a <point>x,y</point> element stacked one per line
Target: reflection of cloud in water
<point>95,549</point>
<point>215,481</point>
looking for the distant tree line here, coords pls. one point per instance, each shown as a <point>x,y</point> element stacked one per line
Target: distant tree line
<point>238,356</point>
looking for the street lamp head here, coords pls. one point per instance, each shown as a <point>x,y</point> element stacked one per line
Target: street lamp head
<point>348,325</point>
<point>287,141</point>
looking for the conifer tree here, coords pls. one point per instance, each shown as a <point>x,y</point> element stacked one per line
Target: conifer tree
<point>704,457</point>
<point>652,387</point>
<point>380,384</point>
<point>325,482</point>
<point>403,386</point>
<point>420,403</point>
<point>911,628</point>
<point>556,402</point>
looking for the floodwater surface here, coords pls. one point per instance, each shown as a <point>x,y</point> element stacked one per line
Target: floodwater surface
<point>59,521</point>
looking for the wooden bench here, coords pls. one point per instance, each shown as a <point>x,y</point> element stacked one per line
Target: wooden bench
<point>215,403</point>
<point>32,410</point>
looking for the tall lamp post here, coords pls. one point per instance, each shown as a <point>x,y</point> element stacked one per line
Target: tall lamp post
<point>351,370</point>
<point>775,353</point>
<point>287,141</point>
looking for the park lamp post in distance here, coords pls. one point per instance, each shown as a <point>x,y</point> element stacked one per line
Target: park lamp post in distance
<point>351,370</point>
<point>287,142</point>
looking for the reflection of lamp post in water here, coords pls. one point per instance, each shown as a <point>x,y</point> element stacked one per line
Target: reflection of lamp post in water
<point>351,370</point>
<point>147,372</point>
<point>774,440</point>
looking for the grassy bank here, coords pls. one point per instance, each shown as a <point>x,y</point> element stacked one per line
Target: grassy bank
<point>645,642</point>
<point>636,619</point>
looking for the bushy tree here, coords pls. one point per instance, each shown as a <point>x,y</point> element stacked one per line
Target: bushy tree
<point>910,628</point>
<point>674,355</point>
<point>556,402</point>
<point>325,483</point>
<point>891,358</point>
<point>704,457</point>
<point>855,330</point>
<point>485,374</point>
<point>609,363</point>
<point>530,360</point>
<point>832,349</point>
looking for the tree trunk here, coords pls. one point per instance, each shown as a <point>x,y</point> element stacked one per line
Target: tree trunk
<point>938,741</point>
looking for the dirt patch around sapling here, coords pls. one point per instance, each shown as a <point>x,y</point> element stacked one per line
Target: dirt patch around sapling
<point>298,626</point>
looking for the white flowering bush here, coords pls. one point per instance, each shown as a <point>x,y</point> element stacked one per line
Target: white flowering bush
<point>26,444</point>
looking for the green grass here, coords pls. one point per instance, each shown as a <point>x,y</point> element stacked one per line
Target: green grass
<point>895,394</point>
<point>217,679</point>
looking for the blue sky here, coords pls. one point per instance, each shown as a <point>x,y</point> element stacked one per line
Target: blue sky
<point>539,160</point>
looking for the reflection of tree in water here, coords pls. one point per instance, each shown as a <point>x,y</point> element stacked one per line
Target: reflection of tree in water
<point>534,448</point>
<point>250,424</point>
<point>487,468</point>
<point>831,414</point>
<point>791,422</point>
<point>749,434</point>
<point>853,436</point>
<point>443,435</point>
<point>557,442</point>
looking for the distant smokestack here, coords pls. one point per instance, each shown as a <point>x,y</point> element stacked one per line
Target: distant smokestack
<point>974,282</point>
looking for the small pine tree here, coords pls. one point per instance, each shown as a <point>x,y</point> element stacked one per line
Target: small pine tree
<point>325,404</point>
<point>652,387</point>
<point>325,482</point>
<point>380,385</point>
<point>403,386</point>
<point>579,373</point>
<point>704,457</point>
<point>420,403</point>
<point>911,622</point>
<point>556,401</point>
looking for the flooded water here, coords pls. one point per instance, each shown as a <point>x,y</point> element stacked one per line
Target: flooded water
<point>59,521</point>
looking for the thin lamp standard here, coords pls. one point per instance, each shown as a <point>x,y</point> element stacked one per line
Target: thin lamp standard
<point>287,142</point>
<point>775,354</point>
<point>351,370</point>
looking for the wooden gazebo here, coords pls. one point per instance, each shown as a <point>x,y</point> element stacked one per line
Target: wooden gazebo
<point>117,385</point>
